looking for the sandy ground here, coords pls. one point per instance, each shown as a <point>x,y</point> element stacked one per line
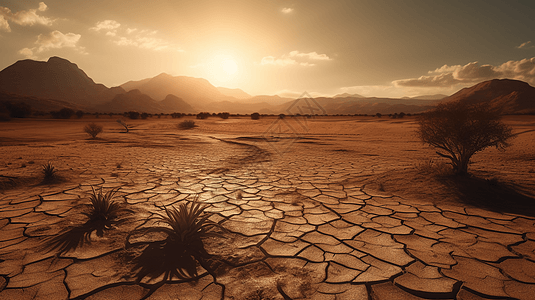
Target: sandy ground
<point>323,208</point>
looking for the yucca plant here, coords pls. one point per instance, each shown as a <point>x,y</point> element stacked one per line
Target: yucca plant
<point>188,226</point>
<point>49,171</point>
<point>176,256</point>
<point>103,209</point>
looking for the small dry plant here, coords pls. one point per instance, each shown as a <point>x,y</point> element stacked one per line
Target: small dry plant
<point>103,208</point>
<point>93,129</point>
<point>49,172</point>
<point>187,124</point>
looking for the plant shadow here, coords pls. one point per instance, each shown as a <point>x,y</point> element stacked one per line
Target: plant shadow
<point>76,237</point>
<point>162,261</point>
<point>492,194</point>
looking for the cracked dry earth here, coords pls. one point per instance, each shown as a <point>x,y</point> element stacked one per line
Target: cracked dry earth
<point>308,224</point>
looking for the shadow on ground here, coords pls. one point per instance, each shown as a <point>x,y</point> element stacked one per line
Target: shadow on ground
<point>74,237</point>
<point>160,262</point>
<point>492,194</point>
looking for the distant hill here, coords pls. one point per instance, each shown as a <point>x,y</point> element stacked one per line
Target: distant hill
<point>192,90</point>
<point>346,95</point>
<point>373,105</point>
<point>40,104</point>
<point>135,100</point>
<point>236,93</point>
<point>59,83</point>
<point>430,97</point>
<point>172,104</point>
<point>57,79</point>
<point>511,96</point>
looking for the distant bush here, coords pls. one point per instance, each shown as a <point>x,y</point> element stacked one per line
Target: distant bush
<point>144,116</point>
<point>64,113</point>
<point>378,115</point>
<point>14,110</point>
<point>79,114</point>
<point>255,116</point>
<point>203,115</point>
<point>93,129</point>
<point>281,116</point>
<point>187,124</point>
<point>224,115</point>
<point>133,115</point>
<point>176,115</point>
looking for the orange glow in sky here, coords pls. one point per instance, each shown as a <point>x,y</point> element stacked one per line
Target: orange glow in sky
<point>373,48</point>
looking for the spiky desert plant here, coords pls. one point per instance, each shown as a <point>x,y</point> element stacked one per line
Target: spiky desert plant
<point>187,124</point>
<point>93,129</point>
<point>49,171</point>
<point>103,208</point>
<point>186,226</point>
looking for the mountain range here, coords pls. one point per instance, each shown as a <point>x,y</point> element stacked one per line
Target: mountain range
<point>511,96</point>
<point>59,83</point>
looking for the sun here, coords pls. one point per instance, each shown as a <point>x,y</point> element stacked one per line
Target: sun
<point>229,66</point>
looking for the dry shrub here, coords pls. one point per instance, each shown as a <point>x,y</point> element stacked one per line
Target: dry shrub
<point>93,129</point>
<point>458,130</point>
<point>187,124</point>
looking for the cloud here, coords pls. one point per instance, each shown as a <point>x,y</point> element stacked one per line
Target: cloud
<point>53,40</point>
<point>42,6</point>
<point>144,39</point>
<point>106,25</point>
<point>287,10</point>
<point>57,40</point>
<point>295,58</point>
<point>448,76</point>
<point>4,25</point>
<point>525,45</point>
<point>271,60</point>
<point>442,80</point>
<point>23,17</point>
<point>310,55</point>
<point>109,26</point>
<point>28,53</point>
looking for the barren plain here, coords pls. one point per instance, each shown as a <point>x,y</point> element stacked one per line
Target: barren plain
<point>321,208</point>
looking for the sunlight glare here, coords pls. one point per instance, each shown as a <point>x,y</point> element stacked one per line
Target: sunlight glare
<point>229,66</point>
<point>222,69</point>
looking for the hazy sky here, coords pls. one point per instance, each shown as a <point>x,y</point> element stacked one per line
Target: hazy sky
<point>374,48</point>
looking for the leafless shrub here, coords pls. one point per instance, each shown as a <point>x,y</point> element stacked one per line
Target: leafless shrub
<point>93,129</point>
